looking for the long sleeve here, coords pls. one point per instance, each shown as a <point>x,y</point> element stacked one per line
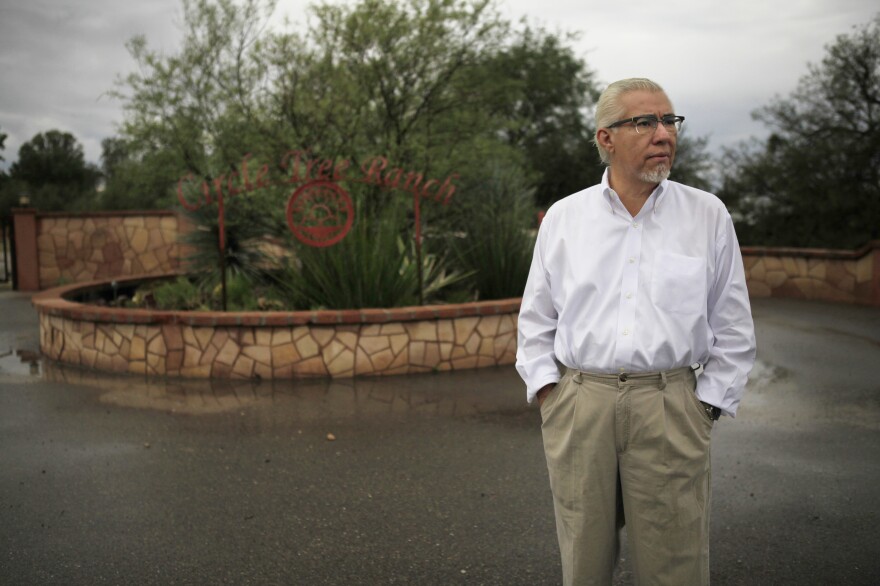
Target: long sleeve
<point>611,293</point>
<point>535,356</point>
<point>732,352</point>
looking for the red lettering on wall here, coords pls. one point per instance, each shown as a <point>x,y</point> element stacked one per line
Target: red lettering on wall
<point>206,193</point>
<point>428,185</point>
<point>447,188</point>
<point>373,174</point>
<point>324,169</point>
<point>320,214</point>
<point>296,156</point>
<point>231,189</point>
<point>218,187</point>
<point>262,177</point>
<point>180,197</point>
<point>392,178</point>
<point>340,169</point>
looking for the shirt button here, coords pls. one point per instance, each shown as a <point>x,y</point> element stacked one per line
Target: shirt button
<point>635,224</point>
<point>631,260</point>
<point>626,332</point>
<point>629,295</point>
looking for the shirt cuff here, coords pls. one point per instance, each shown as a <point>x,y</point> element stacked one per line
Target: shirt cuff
<point>532,392</point>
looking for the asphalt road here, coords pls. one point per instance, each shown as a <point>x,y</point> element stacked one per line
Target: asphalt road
<point>436,479</point>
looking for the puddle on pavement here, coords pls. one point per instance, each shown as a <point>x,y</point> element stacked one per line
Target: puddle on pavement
<point>20,363</point>
<point>462,393</point>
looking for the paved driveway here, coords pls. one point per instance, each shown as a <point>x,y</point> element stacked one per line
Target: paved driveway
<point>436,479</point>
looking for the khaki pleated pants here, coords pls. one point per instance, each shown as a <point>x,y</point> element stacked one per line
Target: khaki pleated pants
<point>633,449</point>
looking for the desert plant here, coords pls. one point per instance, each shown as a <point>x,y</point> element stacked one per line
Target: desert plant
<point>178,294</point>
<point>495,242</point>
<point>371,267</point>
<point>245,227</point>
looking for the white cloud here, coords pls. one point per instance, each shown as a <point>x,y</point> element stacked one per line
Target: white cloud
<point>58,62</point>
<point>718,60</point>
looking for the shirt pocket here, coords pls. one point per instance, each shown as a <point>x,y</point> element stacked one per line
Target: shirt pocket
<point>678,284</point>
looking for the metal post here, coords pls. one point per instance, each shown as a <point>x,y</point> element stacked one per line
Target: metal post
<point>222,227</point>
<point>418,220</point>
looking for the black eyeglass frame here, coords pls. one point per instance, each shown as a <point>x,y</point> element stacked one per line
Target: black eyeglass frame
<point>672,120</point>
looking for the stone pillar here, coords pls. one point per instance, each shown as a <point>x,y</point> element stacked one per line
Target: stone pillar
<point>27,260</point>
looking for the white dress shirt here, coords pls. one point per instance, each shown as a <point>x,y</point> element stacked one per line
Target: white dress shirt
<point>609,293</point>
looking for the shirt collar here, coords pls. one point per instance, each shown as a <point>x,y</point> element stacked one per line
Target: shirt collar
<point>657,196</point>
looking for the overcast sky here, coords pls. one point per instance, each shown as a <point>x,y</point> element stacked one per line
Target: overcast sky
<point>717,59</point>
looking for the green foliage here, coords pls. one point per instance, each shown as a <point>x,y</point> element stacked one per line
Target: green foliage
<point>433,85</point>
<point>133,180</point>
<point>816,180</point>
<point>180,294</point>
<point>245,294</point>
<point>240,294</point>
<point>438,277</point>
<point>194,112</point>
<point>370,267</point>
<point>436,86</point>
<point>542,92</point>
<point>52,157</point>
<point>186,294</point>
<point>494,240</point>
<point>245,228</point>
<point>51,171</point>
<point>693,164</point>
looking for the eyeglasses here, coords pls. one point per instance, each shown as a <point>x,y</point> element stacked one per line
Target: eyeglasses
<point>648,124</point>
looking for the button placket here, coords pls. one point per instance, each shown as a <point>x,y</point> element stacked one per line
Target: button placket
<point>626,307</point>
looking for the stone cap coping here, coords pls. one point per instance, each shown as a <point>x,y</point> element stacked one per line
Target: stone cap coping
<point>827,253</point>
<point>102,214</point>
<point>54,302</point>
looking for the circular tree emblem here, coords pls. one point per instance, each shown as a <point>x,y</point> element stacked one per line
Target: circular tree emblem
<point>320,213</point>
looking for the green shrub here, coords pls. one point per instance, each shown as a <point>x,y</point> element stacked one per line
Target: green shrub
<point>371,267</point>
<point>246,225</point>
<point>245,294</point>
<point>494,243</point>
<point>178,294</point>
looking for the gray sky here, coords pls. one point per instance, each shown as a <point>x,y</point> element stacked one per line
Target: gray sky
<point>717,59</point>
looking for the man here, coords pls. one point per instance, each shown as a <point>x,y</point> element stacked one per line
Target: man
<point>633,283</point>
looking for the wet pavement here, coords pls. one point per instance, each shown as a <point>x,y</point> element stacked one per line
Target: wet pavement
<point>433,479</point>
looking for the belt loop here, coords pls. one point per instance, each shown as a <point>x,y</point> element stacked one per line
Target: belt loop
<point>662,380</point>
<point>577,377</point>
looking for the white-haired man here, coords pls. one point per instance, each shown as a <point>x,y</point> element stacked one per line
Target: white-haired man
<point>634,283</point>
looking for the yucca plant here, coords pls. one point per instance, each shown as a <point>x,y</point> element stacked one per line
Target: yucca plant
<point>437,276</point>
<point>244,258</point>
<point>495,241</point>
<point>371,267</point>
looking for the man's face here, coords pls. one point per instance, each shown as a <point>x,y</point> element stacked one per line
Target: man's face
<point>646,157</point>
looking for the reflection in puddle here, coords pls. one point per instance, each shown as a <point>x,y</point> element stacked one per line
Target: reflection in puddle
<point>451,393</point>
<point>20,362</point>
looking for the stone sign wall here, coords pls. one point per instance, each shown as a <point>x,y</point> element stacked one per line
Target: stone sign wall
<point>72,248</point>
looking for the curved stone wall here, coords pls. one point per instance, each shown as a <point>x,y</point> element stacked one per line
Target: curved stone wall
<point>275,345</point>
<point>278,345</point>
<point>847,276</point>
